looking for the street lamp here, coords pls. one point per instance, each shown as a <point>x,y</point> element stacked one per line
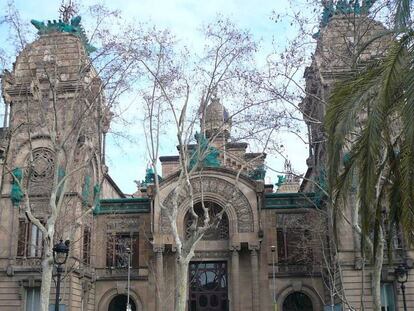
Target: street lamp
<point>273,248</point>
<point>401,273</point>
<point>128,306</point>
<point>60,255</point>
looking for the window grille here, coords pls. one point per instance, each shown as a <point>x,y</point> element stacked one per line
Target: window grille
<point>219,233</point>
<point>86,246</point>
<point>116,251</point>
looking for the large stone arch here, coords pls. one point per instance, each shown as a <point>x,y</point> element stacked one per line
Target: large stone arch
<point>218,189</point>
<point>107,297</point>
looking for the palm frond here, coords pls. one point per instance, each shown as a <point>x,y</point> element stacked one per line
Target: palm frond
<point>364,118</point>
<point>402,15</point>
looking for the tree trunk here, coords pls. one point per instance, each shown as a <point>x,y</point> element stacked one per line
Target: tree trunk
<point>181,284</point>
<point>376,274</point>
<point>47,271</point>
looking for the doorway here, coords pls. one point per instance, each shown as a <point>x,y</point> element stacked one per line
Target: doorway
<point>297,301</point>
<point>208,286</point>
<point>119,302</point>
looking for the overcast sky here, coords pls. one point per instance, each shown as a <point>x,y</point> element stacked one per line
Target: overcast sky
<point>184,18</point>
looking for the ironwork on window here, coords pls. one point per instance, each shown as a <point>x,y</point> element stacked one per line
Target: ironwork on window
<point>116,251</point>
<point>219,233</point>
<point>208,286</point>
<point>293,246</point>
<point>86,246</point>
<point>30,240</point>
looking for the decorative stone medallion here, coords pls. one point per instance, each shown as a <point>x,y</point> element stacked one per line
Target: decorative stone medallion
<point>41,171</point>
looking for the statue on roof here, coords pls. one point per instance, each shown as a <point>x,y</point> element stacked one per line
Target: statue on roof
<point>149,178</point>
<point>204,155</point>
<point>258,173</point>
<point>327,12</point>
<point>281,179</point>
<point>68,22</point>
<point>342,7</point>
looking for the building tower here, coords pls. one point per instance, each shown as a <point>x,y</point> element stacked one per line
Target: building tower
<point>52,165</point>
<point>345,29</point>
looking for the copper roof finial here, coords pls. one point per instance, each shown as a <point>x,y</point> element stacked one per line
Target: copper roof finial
<point>67,11</point>
<point>214,94</point>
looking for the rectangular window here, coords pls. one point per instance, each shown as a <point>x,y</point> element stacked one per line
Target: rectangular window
<point>86,246</point>
<point>32,299</point>
<point>293,246</point>
<point>116,252</point>
<point>30,240</point>
<point>387,297</point>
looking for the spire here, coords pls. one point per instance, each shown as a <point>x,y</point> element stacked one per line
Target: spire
<point>67,11</point>
<point>288,182</point>
<point>288,171</point>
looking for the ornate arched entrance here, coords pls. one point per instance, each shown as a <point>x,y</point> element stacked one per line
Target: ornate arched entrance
<point>217,253</point>
<point>119,303</point>
<point>297,301</point>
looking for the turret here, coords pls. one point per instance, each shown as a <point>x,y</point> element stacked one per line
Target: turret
<point>217,121</point>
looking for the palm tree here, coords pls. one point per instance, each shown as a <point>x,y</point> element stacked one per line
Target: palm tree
<point>370,127</point>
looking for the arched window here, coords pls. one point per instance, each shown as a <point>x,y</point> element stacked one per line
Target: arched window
<point>297,301</point>
<point>119,303</point>
<point>219,233</point>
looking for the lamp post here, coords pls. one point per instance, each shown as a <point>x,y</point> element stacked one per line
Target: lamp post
<point>401,273</point>
<point>273,248</point>
<point>60,255</point>
<point>128,305</point>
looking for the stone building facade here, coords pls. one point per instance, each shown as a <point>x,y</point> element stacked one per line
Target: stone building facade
<point>337,56</point>
<point>270,248</point>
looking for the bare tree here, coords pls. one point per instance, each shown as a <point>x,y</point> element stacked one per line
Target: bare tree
<point>176,95</point>
<point>60,100</point>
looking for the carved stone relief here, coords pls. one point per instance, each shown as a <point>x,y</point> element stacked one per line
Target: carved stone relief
<point>41,170</point>
<point>221,188</point>
<point>211,254</point>
<point>123,224</point>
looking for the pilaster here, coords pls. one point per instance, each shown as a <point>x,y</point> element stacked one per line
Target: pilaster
<point>159,276</point>
<point>235,277</point>
<point>254,259</point>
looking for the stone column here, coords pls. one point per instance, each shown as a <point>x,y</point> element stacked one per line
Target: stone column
<point>254,259</point>
<point>159,282</point>
<point>235,278</point>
